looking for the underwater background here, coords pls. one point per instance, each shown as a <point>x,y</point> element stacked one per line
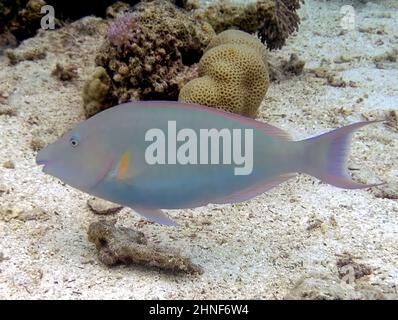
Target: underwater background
<point>311,67</point>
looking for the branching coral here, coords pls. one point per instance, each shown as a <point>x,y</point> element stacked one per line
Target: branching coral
<point>150,53</point>
<point>124,30</point>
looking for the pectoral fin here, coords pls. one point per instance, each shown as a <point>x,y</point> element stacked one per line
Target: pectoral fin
<point>123,165</point>
<point>155,215</point>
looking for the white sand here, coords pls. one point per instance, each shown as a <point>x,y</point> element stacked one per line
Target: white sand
<point>258,249</point>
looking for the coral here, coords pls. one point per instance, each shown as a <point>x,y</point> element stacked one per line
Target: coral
<point>282,69</point>
<point>19,20</point>
<point>124,31</point>
<point>103,207</point>
<point>187,4</point>
<point>66,73</point>
<point>150,53</point>
<point>31,55</point>
<point>122,245</point>
<point>116,8</point>
<point>233,74</point>
<point>96,92</point>
<point>240,37</point>
<point>223,15</point>
<point>285,21</point>
<point>37,144</point>
<point>274,20</point>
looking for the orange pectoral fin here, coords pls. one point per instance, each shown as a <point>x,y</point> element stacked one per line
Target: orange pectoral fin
<point>124,163</point>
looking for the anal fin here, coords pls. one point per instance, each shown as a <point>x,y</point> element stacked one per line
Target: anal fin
<point>155,215</point>
<point>253,191</point>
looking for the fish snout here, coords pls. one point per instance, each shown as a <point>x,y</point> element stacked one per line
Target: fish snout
<point>42,157</point>
<point>41,162</point>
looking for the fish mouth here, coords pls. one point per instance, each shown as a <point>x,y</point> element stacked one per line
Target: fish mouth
<point>42,158</point>
<point>41,162</point>
<point>44,163</point>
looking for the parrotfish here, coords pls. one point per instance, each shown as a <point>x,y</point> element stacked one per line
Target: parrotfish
<point>158,155</point>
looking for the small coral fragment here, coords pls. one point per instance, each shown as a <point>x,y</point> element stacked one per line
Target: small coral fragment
<point>233,74</point>
<point>347,268</point>
<point>117,245</point>
<point>293,66</point>
<point>9,164</point>
<point>65,73</point>
<point>103,207</point>
<point>36,144</point>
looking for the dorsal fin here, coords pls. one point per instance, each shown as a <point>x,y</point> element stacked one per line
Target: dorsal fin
<point>261,126</point>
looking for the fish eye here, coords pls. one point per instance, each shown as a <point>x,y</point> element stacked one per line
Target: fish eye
<point>73,142</point>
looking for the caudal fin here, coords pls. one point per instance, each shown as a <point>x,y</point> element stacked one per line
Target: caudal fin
<point>325,157</point>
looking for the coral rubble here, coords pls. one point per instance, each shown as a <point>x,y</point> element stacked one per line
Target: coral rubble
<point>122,245</point>
<point>233,74</point>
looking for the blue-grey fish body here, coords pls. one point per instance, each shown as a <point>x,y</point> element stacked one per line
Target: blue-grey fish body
<point>113,156</point>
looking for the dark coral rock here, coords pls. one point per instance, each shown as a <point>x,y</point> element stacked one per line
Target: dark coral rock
<point>224,15</point>
<point>19,20</point>
<point>274,20</point>
<point>119,245</point>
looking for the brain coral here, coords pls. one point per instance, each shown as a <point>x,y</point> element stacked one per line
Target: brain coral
<point>239,37</point>
<point>233,74</point>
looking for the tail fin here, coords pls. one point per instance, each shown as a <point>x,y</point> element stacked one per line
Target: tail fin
<point>325,157</point>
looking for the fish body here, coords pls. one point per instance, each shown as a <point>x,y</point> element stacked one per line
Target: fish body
<point>171,155</point>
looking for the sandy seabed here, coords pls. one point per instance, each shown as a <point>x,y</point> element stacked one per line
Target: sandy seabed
<point>290,242</point>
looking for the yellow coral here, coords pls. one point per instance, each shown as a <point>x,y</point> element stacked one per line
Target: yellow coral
<point>240,37</point>
<point>233,74</point>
